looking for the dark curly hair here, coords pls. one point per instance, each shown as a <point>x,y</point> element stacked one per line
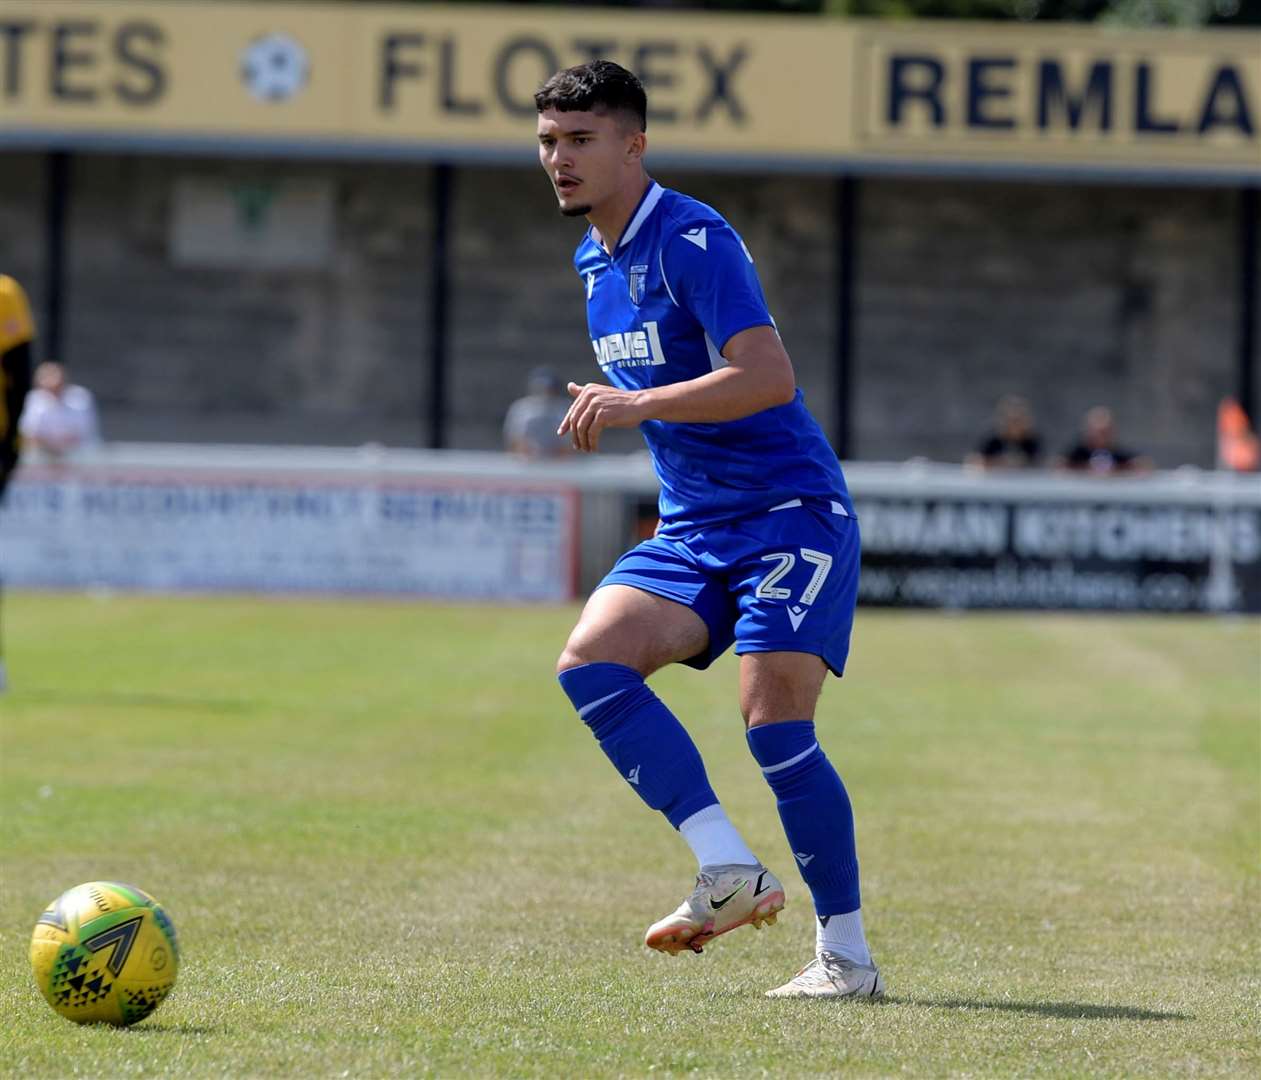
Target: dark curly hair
<point>599,86</point>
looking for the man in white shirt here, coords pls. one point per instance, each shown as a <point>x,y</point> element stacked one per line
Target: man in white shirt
<point>59,417</point>
<point>530,427</point>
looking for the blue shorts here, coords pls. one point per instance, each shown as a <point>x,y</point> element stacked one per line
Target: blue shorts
<point>784,581</point>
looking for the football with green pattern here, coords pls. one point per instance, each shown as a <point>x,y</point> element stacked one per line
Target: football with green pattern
<point>105,953</point>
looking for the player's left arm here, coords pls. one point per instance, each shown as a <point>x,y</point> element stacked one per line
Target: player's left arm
<point>714,280</point>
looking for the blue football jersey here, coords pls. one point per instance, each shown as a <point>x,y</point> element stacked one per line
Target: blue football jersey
<point>660,309</point>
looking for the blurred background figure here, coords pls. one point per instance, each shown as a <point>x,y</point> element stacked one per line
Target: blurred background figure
<point>60,417</point>
<point>1014,443</point>
<point>17,331</point>
<point>1098,452</point>
<point>531,423</point>
<point>1237,447</point>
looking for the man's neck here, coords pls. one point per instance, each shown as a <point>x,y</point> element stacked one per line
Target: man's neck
<point>610,220</point>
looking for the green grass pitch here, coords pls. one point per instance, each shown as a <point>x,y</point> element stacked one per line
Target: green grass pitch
<point>391,849</point>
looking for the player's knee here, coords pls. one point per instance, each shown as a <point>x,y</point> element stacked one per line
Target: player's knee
<point>568,660</point>
<point>755,715</point>
<point>585,647</point>
<point>599,644</point>
<point>789,703</point>
<point>766,702</point>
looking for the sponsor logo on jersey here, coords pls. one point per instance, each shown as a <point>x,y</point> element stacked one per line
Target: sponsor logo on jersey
<point>634,348</point>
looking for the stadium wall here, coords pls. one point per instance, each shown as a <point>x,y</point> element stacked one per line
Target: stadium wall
<point>1072,294</point>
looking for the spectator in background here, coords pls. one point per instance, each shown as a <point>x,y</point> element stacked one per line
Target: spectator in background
<point>60,417</point>
<point>1097,451</point>
<point>1014,443</point>
<point>1237,446</point>
<point>530,427</point>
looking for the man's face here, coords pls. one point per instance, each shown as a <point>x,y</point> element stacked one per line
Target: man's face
<point>586,155</point>
<point>1100,428</point>
<point>1015,421</point>
<point>50,376</point>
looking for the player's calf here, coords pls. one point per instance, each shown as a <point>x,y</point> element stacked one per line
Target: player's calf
<point>641,737</point>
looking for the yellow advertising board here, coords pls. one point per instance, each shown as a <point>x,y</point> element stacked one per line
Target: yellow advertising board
<point>766,91</point>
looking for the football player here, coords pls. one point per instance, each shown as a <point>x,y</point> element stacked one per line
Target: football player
<point>757,545</point>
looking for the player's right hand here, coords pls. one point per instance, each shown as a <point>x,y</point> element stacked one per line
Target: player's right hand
<point>596,407</point>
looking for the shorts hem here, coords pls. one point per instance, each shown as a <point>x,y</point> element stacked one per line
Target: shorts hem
<point>743,647</point>
<point>613,578</point>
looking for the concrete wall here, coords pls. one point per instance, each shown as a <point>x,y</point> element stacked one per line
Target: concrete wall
<point>1072,295</point>
<point>22,229</point>
<point>332,355</point>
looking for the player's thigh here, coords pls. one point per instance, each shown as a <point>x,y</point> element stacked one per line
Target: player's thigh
<point>778,686</point>
<point>625,625</point>
<point>797,582</point>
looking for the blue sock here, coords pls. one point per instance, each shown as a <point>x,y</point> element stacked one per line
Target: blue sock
<point>646,743</point>
<point>815,810</point>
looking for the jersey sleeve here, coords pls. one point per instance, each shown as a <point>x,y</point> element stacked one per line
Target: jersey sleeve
<point>710,274</point>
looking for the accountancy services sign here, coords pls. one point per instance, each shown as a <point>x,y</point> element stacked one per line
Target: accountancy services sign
<point>773,91</point>
<point>290,530</point>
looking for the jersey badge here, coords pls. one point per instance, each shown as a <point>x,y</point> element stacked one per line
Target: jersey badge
<point>697,237</point>
<point>638,278</point>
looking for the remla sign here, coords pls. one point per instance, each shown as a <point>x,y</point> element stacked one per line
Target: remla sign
<point>1136,95</point>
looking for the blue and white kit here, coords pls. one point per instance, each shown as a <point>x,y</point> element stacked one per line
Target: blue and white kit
<point>758,533</point>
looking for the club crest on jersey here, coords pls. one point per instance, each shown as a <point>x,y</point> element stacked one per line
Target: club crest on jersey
<point>638,278</point>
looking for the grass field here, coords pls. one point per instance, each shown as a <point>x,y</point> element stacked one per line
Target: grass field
<point>390,848</point>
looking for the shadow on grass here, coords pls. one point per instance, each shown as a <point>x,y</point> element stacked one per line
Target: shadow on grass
<point>158,1028</point>
<point>1067,1010</point>
<point>138,700</point>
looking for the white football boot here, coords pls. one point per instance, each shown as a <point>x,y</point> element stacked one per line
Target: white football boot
<point>725,897</point>
<point>832,976</point>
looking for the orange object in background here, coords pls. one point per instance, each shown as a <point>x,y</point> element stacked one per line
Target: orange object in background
<point>1236,444</point>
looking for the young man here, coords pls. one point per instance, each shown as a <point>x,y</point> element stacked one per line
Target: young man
<point>757,544</point>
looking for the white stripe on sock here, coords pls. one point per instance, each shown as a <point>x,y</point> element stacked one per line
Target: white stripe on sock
<point>582,713</point>
<point>791,761</point>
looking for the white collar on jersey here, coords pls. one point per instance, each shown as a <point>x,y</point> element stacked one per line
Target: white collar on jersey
<point>645,208</point>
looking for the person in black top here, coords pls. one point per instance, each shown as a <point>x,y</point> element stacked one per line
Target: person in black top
<point>1014,442</point>
<point>1097,450</point>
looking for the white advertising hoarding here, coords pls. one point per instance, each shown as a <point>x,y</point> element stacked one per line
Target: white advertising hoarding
<point>288,532</point>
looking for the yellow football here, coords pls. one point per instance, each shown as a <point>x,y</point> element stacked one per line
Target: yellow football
<point>105,953</point>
